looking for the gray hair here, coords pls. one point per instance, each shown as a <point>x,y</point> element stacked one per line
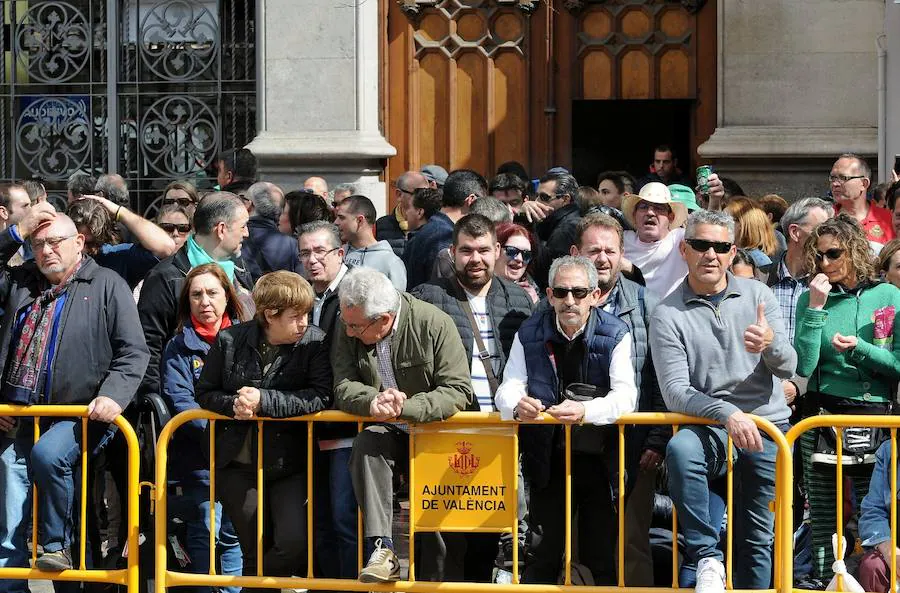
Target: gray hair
<point>220,206</point>
<point>371,290</point>
<point>492,209</point>
<point>799,210</point>
<point>340,187</point>
<point>713,217</point>
<point>112,187</point>
<point>265,201</point>
<point>864,168</point>
<point>574,261</point>
<point>322,225</point>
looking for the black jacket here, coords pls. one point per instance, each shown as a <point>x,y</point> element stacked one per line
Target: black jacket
<point>387,228</point>
<point>507,304</point>
<point>268,250</point>
<point>100,349</point>
<point>158,307</point>
<point>297,383</point>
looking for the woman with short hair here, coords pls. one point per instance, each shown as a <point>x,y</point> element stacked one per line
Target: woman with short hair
<point>275,366</point>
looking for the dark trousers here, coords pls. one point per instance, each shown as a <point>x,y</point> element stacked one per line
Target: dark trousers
<point>596,521</point>
<point>284,521</point>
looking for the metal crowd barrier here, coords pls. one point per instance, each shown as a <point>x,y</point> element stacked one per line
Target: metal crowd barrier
<point>781,506</point>
<point>128,576</point>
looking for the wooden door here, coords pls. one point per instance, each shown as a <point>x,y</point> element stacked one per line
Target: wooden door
<point>475,83</point>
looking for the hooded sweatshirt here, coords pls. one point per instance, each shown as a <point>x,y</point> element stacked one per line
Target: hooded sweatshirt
<point>381,257</point>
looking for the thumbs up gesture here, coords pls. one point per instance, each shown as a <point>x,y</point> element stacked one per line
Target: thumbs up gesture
<point>759,335</point>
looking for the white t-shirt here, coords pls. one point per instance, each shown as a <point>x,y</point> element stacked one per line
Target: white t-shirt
<point>660,262</point>
<point>479,376</point>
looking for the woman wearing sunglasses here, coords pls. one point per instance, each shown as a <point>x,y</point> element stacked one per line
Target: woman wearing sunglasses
<point>516,253</point>
<point>176,221</point>
<point>845,344</point>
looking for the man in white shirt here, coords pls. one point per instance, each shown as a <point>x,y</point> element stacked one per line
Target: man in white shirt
<point>657,221</point>
<point>572,361</point>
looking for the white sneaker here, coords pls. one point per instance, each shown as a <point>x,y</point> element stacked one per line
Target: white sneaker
<point>710,576</point>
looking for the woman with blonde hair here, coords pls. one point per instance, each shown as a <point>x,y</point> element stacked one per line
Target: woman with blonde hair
<point>754,232</point>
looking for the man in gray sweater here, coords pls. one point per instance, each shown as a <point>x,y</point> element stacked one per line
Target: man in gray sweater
<point>720,349</point>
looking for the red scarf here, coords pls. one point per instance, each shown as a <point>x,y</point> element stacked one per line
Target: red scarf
<point>206,331</point>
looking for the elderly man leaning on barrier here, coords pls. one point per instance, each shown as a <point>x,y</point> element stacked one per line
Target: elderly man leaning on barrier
<point>71,336</point>
<point>572,361</point>
<point>720,351</point>
<point>396,357</point>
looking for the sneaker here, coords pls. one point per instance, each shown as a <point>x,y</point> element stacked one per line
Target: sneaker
<point>54,561</point>
<point>710,576</point>
<point>383,566</point>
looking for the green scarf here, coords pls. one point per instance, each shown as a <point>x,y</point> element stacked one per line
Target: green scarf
<point>197,256</point>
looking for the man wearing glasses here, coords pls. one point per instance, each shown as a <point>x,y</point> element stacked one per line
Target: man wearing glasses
<point>71,336</point>
<point>720,351</point>
<point>572,361</point>
<point>850,180</point>
<point>393,227</point>
<point>394,357</point>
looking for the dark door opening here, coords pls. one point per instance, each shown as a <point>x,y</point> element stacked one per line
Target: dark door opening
<point>621,135</point>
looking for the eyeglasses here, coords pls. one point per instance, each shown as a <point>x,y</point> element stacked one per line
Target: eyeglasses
<point>169,227</point>
<point>404,191</point>
<point>511,253</point>
<point>53,242</point>
<point>656,207</point>
<point>702,246</point>
<point>544,197</point>
<point>832,254</point>
<point>320,254</point>
<point>358,329</point>
<point>578,292</point>
<point>183,202</point>
<point>842,179</point>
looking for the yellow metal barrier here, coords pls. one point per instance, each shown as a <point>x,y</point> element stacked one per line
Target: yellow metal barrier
<point>782,558</point>
<point>842,421</point>
<point>128,576</point>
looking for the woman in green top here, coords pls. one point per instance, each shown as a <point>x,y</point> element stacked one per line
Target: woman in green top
<point>845,345</point>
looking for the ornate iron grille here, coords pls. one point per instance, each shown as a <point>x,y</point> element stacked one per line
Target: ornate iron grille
<point>178,87</point>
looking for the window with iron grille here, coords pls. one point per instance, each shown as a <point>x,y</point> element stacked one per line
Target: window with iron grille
<point>150,89</point>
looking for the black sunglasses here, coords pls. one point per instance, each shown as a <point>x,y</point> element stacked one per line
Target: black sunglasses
<point>702,246</point>
<point>171,226</point>
<point>832,254</point>
<point>512,252</point>
<point>183,202</point>
<point>578,292</point>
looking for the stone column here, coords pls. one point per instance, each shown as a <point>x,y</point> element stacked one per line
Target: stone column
<point>318,94</point>
<point>797,86</point>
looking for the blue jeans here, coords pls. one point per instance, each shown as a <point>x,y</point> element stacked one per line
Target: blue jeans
<point>687,574</point>
<point>695,456</point>
<point>15,493</point>
<point>335,509</point>
<point>192,507</point>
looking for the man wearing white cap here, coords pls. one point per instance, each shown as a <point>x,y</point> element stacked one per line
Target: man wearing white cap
<point>653,245</point>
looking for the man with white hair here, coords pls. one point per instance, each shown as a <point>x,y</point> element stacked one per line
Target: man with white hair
<point>267,250</point>
<point>394,357</point>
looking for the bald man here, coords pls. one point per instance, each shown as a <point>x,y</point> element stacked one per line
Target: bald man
<point>393,227</point>
<point>317,185</point>
<point>71,336</point>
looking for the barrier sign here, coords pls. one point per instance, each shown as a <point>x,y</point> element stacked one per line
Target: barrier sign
<point>464,479</point>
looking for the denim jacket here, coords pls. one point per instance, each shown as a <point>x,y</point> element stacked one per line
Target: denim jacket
<point>875,519</point>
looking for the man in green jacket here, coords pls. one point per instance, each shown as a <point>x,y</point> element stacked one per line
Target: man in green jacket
<point>397,358</point>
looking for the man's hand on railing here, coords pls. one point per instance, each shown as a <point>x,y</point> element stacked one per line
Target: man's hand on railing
<point>528,408</point>
<point>103,409</point>
<point>743,432</point>
<point>387,404</point>
<point>569,411</point>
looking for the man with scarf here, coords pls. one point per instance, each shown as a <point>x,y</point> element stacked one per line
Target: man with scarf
<point>571,360</point>
<point>71,336</point>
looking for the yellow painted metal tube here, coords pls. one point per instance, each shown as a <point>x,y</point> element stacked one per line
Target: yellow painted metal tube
<point>675,584</point>
<point>516,486</point>
<point>893,508</point>
<point>260,515</point>
<point>309,500</point>
<point>729,512</point>
<point>412,505</point>
<point>212,497</point>
<point>34,502</point>
<point>622,505</point>
<point>359,524</point>
<point>568,478</point>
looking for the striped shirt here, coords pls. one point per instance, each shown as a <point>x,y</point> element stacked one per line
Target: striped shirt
<point>479,376</point>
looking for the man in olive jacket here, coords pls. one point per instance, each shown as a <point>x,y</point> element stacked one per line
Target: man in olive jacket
<point>394,357</point>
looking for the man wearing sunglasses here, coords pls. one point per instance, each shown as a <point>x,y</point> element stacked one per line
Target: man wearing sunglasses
<point>572,361</point>
<point>599,239</point>
<point>720,351</point>
<point>850,179</point>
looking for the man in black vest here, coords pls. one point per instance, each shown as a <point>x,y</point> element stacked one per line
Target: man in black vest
<point>475,298</point>
<point>572,361</point>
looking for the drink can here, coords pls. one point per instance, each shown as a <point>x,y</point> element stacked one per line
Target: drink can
<point>703,172</point>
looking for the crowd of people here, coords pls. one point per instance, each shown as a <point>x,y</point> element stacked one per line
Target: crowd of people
<point>523,297</point>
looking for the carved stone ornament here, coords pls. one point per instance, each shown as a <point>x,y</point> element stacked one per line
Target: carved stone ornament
<point>413,8</point>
